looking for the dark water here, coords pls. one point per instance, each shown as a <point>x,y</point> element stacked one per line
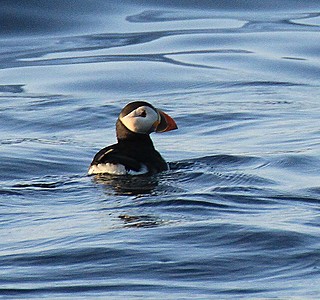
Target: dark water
<point>236,217</point>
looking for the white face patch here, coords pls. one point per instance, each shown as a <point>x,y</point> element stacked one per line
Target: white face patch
<point>141,119</point>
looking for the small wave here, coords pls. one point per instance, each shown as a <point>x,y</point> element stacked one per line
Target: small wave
<point>204,174</point>
<point>219,160</point>
<point>49,184</point>
<point>12,88</point>
<point>266,83</point>
<point>301,163</point>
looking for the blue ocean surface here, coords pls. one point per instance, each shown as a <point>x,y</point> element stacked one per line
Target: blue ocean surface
<point>237,215</point>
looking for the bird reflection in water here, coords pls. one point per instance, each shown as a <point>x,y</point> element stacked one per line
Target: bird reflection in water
<point>132,186</point>
<point>141,221</point>
<point>128,185</point>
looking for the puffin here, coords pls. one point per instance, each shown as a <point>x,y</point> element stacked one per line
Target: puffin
<point>134,153</point>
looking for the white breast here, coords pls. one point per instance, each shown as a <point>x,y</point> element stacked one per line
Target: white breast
<point>115,169</point>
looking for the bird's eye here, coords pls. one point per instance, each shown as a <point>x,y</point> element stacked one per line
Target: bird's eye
<point>142,114</point>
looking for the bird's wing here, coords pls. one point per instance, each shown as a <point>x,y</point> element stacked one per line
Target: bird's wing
<point>112,155</point>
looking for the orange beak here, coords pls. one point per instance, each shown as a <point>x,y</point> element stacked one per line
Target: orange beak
<point>166,123</point>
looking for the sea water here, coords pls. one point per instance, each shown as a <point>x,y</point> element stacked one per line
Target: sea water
<point>236,217</point>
